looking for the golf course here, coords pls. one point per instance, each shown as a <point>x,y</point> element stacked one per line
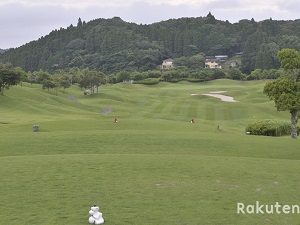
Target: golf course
<point>152,167</point>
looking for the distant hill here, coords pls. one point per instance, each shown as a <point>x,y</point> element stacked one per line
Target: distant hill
<point>111,45</point>
<point>2,50</point>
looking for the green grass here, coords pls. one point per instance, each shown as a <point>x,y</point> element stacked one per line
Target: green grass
<point>154,166</point>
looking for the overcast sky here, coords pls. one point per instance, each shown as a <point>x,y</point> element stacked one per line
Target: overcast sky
<point>22,21</point>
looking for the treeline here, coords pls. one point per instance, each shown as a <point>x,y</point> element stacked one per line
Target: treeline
<point>88,79</point>
<point>180,74</point>
<point>91,79</point>
<point>113,45</point>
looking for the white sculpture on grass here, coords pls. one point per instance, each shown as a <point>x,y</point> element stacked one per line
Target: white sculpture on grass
<point>96,216</point>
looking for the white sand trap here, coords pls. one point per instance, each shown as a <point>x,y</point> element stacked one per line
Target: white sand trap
<point>218,94</point>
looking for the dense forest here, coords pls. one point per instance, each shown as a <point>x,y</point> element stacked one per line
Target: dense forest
<point>113,45</point>
<point>2,50</point>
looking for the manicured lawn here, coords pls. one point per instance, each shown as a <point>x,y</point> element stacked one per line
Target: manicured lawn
<point>154,166</point>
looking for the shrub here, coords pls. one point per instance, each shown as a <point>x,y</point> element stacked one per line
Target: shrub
<point>176,80</point>
<point>148,81</point>
<point>270,128</point>
<point>195,80</point>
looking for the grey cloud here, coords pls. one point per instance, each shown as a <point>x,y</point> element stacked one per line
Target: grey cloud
<point>291,6</point>
<point>147,13</point>
<point>21,24</point>
<point>221,5</point>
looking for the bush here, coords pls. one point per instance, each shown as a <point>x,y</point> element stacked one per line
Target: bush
<point>148,81</point>
<point>176,80</point>
<point>269,128</point>
<point>195,80</point>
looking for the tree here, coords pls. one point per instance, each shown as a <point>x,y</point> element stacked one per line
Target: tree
<point>47,84</point>
<point>235,74</point>
<point>79,23</point>
<point>289,41</point>
<point>92,79</point>
<point>264,59</point>
<point>98,79</point>
<point>252,47</point>
<point>65,83</point>
<point>290,61</point>
<point>218,74</point>
<point>124,75</point>
<point>9,76</point>
<point>210,18</point>
<point>56,79</point>
<point>41,76</point>
<point>194,62</point>
<point>285,91</point>
<point>74,75</point>
<point>22,73</point>
<point>255,75</point>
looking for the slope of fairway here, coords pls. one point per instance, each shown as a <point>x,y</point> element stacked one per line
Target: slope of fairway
<point>153,166</point>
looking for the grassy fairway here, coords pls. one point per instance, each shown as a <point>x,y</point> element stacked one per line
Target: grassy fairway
<point>154,166</point>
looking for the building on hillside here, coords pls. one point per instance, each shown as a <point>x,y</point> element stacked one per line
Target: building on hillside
<point>212,64</point>
<point>128,81</point>
<point>167,64</point>
<point>239,54</point>
<point>221,58</point>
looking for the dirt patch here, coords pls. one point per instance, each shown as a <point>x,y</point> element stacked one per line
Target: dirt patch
<point>73,98</point>
<point>106,111</point>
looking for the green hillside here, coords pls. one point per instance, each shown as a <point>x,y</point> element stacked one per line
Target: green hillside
<point>153,166</point>
<point>112,45</point>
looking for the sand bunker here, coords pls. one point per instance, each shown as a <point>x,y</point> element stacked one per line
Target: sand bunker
<point>218,94</point>
<point>106,111</point>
